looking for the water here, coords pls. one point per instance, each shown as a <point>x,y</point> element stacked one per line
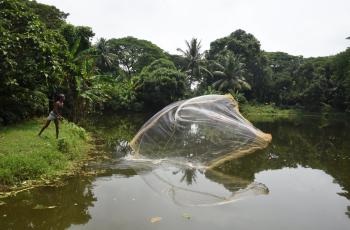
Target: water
<point>306,170</point>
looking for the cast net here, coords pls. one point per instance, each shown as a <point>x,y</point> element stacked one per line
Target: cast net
<point>181,146</point>
<point>205,130</point>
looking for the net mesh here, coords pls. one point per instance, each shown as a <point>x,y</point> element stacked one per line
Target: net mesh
<point>219,189</point>
<point>189,186</point>
<point>205,130</point>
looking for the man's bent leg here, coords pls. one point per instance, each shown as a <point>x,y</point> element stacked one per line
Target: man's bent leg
<point>44,127</point>
<point>57,124</point>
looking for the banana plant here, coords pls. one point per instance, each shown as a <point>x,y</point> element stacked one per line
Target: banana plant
<point>88,88</point>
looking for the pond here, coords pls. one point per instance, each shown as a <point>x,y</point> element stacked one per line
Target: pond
<point>304,174</point>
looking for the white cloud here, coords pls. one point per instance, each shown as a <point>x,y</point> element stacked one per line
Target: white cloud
<point>299,27</point>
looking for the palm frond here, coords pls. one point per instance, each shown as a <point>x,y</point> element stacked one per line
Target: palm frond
<point>217,83</point>
<point>217,65</point>
<point>201,68</point>
<point>219,74</point>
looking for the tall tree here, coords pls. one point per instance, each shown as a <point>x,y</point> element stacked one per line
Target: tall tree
<point>73,33</point>
<point>247,47</point>
<point>193,57</point>
<point>33,59</point>
<point>133,54</point>
<point>230,74</point>
<point>52,17</point>
<point>341,65</point>
<point>160,83</point>
<point>105,59</point>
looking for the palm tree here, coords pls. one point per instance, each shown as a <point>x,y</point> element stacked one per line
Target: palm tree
<point>105,59</point>
<point>193,57</point>
<point>230,74</point>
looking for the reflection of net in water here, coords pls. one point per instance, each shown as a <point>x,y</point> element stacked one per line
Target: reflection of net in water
<point>201,132</point>
<point>188,186</point>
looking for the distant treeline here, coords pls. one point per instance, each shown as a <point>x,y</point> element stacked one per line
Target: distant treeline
<point>42,55</point>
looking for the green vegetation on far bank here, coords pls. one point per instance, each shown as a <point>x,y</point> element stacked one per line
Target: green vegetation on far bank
<point>26,156</point>
<point>267,112</point>
<point>256,112</point>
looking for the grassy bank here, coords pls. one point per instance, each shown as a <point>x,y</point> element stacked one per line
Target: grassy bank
<point>263,112</point>
<point>26,157</point>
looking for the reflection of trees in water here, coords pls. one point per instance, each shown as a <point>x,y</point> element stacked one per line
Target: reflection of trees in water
<point>189,175</point>
<point>202,193</point>
<point>230,182</point>
<point>114,130</point>
<point>72,202</point>
<point>315,143</point>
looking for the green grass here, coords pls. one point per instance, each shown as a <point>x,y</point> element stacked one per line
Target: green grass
<point>267,112</point>
<point>26,156</point>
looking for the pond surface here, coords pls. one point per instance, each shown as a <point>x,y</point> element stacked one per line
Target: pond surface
<point>306,171</point>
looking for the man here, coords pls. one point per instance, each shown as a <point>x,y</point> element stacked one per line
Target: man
<point>55,115</point>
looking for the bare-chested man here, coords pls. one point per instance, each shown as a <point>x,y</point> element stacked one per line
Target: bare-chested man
<point>55,115</point>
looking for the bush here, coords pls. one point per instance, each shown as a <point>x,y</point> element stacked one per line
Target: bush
<point>122,97</point>
<point>160,83</point>
<point>63,145</point>
<point>31,103</point>
<point>239,97</point>
<point>80,131</point>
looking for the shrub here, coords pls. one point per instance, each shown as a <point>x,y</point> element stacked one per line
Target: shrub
<point>63,145</point>
<point>160,83</point>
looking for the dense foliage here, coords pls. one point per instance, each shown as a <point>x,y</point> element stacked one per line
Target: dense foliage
<point>247,49</point>
<point>33,60</point>
<point>42,55</point>
<point>160,83</point>
<point>314,83</point>
<point>134,54</point>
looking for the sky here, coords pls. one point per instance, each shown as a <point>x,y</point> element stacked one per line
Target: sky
<point>298,27</point>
